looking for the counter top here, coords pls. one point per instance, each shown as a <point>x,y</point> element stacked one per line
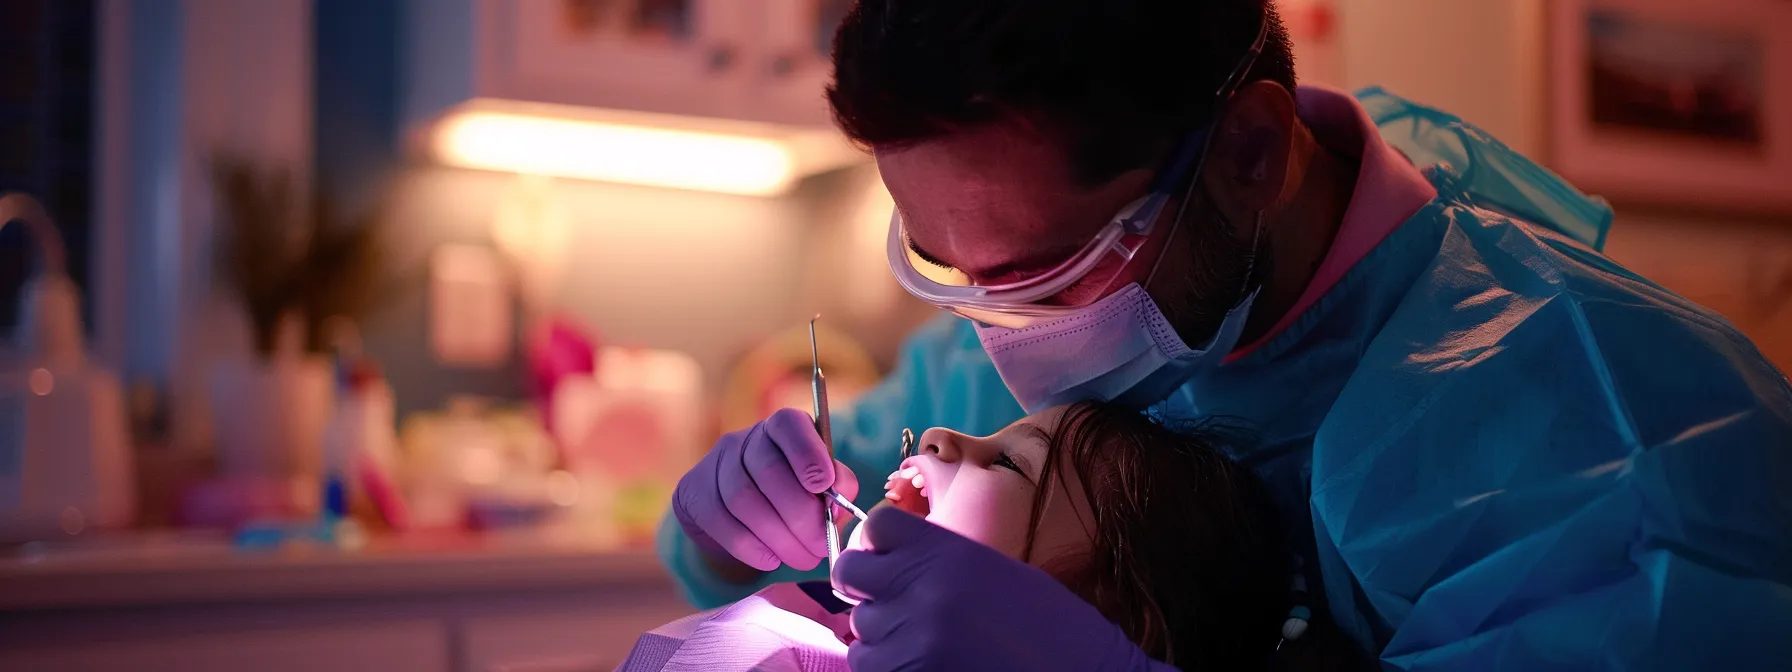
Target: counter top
<point>161,569</point>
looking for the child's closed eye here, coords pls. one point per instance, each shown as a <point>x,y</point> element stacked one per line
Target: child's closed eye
<point>1006,461</point>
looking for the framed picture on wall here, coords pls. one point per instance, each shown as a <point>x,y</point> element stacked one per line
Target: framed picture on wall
<point>1673,102</point>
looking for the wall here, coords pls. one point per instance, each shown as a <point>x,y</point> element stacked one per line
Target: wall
<point>182,79</point>
<point>1313,31</point>
<point>660,268</point>
<point>705,274</point>
<point>1483,60</point>
<point>1741,268</point>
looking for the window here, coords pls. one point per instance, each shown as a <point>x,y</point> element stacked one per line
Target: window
<point>47,79</point>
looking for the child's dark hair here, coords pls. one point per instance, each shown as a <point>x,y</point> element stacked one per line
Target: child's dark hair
<point>1187,557</point>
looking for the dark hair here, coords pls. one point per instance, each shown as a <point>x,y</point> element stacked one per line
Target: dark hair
<point>1188,557</point>
<point>1117,82</point>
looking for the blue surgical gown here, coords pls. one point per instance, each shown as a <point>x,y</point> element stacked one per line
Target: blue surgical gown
<point>1500,449</point>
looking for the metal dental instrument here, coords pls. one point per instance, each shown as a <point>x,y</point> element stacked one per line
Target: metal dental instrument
<point>845,504</point>
<point>818,386</point>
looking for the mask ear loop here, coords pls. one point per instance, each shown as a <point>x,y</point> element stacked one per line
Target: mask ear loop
<point>1250,269</point>
<point>1222,97</point>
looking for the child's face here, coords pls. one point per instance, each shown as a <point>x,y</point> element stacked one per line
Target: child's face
<point>983,488</point>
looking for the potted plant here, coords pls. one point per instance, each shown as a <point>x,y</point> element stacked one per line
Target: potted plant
<point>302,273</point>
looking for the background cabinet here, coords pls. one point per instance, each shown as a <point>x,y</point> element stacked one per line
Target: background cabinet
<point>505,609</point>
<point>419,646</point>
<point>755,60</point>
<point>798,39</point>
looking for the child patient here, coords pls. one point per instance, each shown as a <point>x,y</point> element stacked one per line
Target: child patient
<point>1157,529</point>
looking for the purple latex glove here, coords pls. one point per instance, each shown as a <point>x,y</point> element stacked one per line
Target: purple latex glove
<point>935,600</point>
<point>753,496</point>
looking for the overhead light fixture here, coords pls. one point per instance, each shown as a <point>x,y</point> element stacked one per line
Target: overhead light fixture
<point>635,148</point>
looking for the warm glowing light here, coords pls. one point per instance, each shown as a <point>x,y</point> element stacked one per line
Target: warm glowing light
<point>616,152</point>
<point>42,382</point>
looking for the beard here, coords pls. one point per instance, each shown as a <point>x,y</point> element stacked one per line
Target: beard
<point>1209,268</point>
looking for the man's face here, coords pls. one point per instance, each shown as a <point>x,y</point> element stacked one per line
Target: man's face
<point>999,204</point>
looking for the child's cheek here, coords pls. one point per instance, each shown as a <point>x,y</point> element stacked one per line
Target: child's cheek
<point>985,510</point>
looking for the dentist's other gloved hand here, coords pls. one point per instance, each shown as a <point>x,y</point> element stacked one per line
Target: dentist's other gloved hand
<point>753,497</point>
<point>935,600</point>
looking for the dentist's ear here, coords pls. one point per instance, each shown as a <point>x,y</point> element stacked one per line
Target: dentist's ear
<point>1248,165</point>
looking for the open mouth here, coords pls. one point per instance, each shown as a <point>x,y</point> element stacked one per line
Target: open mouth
<point>907,490</point>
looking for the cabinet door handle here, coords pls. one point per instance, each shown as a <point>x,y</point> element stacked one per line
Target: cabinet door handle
<point>783,65</point>
<point>721,58</point>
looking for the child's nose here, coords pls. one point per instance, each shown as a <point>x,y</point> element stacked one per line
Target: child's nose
<point>942,443</point>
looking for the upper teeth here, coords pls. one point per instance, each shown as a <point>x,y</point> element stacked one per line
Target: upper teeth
<point>910,474</point>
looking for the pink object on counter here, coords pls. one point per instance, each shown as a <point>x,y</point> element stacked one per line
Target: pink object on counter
<point>558,347</point>
<point>627,440</point>
<point>380,490</point>
<point>234,501</point>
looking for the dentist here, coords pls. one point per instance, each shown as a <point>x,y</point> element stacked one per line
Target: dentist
<point>1500,449</point>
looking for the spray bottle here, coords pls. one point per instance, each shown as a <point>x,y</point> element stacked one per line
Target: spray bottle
<point>342,447</point>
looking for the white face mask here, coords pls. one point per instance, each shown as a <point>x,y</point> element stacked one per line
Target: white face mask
<point>1118,349</point>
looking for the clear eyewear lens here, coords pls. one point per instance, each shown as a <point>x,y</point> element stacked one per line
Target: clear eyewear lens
<point>942,275</point>
<point>1110,249</point>
<point>1011,320</point>
<point>1122,235</point>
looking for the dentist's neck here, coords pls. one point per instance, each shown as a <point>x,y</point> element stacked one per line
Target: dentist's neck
<point>1300,234</point>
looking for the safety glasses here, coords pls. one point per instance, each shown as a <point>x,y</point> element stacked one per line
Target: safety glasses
<point>1025,302</point>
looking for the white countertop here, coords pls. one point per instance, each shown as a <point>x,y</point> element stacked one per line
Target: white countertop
<point>152,569</point>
